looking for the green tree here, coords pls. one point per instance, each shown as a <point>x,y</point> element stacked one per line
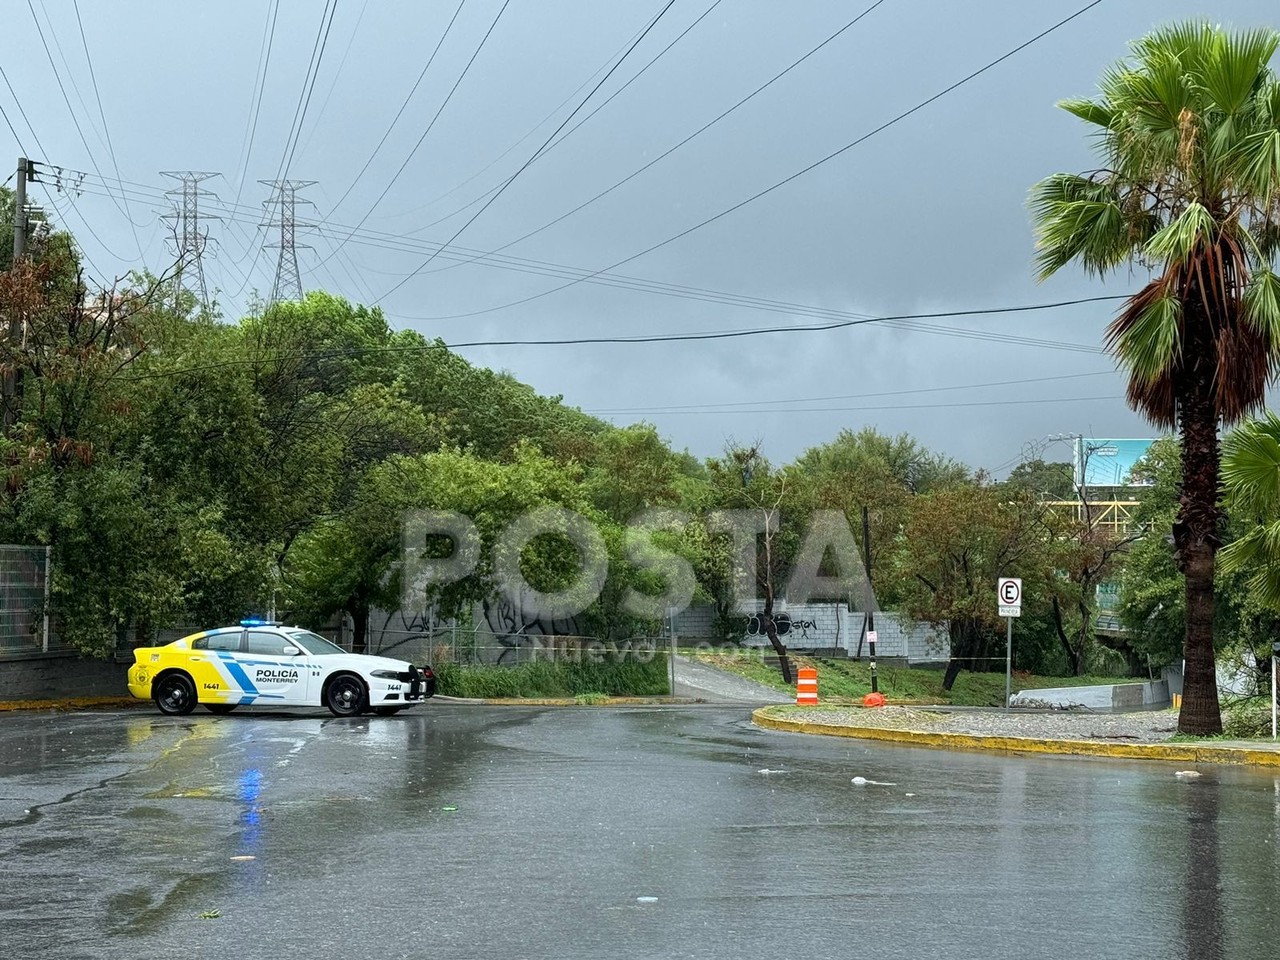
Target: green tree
<point>956,544</point>
<point>1046,480</point>
<point>1189,136</point>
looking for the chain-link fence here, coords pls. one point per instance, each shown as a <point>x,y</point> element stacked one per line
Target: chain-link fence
<point>483,648</point>
<point>24,601</point>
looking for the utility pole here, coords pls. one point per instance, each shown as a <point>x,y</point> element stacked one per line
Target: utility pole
<point>20,212</point>
<point>288,282</point>
<point>188,241</point>
<point>12,378</point>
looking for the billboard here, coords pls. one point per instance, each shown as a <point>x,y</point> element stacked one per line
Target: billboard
<point>1108,463</point>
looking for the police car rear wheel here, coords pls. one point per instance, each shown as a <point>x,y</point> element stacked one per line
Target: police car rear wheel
<point>175,694</point>
<point>345,695</point>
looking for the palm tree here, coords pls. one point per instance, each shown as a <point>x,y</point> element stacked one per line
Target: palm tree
<point>1188,130</point>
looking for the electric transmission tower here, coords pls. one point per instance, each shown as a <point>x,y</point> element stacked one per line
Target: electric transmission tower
<point>282,212</point>
<point>188,240</point>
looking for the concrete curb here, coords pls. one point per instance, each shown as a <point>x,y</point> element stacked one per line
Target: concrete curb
<point>1178,752</point>
<point>566,701</point>
<point>74,703</point>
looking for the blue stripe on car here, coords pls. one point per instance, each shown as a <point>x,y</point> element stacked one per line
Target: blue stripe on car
<point>237,673</point>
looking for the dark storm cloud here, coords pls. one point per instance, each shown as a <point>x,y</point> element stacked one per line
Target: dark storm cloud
<point>929,215</point>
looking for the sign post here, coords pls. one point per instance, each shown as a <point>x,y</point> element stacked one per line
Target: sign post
<point>1275,652</point>
<point>1009,594</point>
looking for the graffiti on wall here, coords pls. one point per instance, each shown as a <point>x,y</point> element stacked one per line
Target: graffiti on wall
<point>785,626</point>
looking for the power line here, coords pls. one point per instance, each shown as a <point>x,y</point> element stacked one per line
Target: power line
<point>636,76</point>
<point>670,150</point>
<point>106,130</point>
<point>698,294</point>
<point>346,53</point>
<point>896,406</point>
<point>461,76</point>
<point>673,338</point>
<point>642,285</point>
<point>308,86</point>
<point>255,98</point>
<point>67,100</point>
<point>16,139</point>
<point>23,113</point>
<point>492,163</point>
<point>851,396</point>
<point>542,149</point>
<point>403,105</point>
<point>799,173</point>
<point>639,73</point>
<point>80,247</point>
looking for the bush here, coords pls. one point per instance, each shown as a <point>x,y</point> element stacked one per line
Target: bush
<point>1247,719</point>
<point>614,677</point>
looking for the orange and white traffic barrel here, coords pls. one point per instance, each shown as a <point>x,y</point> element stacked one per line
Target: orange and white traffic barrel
<point>807,687</point>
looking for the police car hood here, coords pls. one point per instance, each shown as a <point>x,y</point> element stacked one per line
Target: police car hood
<point>364,662</point>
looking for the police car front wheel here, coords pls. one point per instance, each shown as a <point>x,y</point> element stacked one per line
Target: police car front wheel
<point>345,696</point>
<point>175,694</point>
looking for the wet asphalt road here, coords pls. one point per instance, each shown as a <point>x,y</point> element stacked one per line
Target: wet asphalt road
<point>118,830</point>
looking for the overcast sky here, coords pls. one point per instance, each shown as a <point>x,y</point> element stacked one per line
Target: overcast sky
<point>928,215</point>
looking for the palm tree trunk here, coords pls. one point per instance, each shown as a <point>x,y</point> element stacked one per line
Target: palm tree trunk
<point>1196,538</point>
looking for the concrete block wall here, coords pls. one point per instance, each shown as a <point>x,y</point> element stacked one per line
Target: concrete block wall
<point>831,625</point>
<point>55,676</point>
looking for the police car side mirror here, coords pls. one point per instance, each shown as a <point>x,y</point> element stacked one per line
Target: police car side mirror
<point>290,651</point>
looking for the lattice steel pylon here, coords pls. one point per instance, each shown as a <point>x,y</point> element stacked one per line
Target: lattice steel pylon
<point>188,240</point>
<point>288,282</point>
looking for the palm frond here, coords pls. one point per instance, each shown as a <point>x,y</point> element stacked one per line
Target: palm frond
<point>1146,338</point>
<point>1177,240</point>
<point>1243,358</point>
<point>1251,466</point>
<point>1258,554</point>
<point>1233,66</point>
<point>1261,307</point>
<point>1090,111</point>
<point>1254,163</point>
<point>1078,218</point>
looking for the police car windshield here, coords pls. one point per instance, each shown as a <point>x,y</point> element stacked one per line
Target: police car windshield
<point>314,643</point>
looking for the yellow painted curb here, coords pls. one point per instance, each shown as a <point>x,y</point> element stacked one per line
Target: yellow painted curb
<point>571,702</point>
<point>1180,752</point>
<point>73,703</point>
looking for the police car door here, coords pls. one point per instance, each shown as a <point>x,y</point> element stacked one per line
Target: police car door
<point>275,676</point>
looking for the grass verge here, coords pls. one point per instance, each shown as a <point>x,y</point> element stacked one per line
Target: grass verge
<point>589,681</point>
<point>851,680</point>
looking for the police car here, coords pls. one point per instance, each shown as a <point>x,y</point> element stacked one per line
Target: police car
<point>266,664</point>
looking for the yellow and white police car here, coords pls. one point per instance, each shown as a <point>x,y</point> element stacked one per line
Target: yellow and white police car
<point>266,664</point>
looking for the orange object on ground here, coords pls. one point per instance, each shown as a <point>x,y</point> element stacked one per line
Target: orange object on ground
<point>807,687</point>
<point>873,700</point>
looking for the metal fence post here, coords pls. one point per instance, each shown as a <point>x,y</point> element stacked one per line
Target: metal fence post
<point>48,562</point>
<point>671,665</point>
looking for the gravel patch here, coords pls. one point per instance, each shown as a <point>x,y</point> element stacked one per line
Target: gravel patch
<point>1145,727</point>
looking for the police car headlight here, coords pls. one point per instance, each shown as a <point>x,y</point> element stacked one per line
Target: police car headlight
<point>385,674</point>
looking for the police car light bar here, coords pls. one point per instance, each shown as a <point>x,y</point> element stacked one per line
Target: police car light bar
<point>259,623</point>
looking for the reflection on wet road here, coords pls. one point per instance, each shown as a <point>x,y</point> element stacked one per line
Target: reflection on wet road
<point>509,832</point>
